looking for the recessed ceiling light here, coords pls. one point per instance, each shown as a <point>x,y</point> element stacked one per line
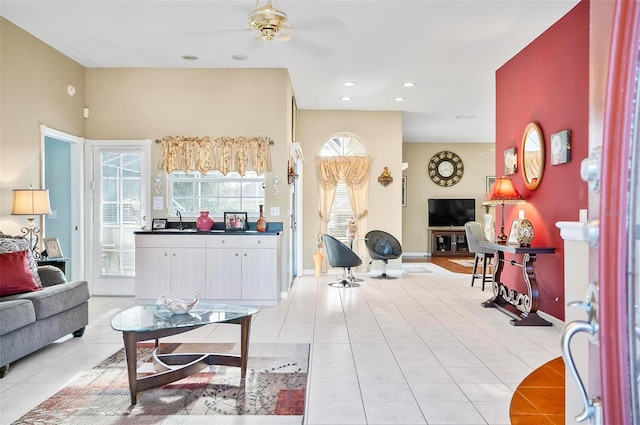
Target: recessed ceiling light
<point>409,84</point>
<point>345,98</point>
<point>399,99</point>
<point>190,57</point>
<point>239,57</point>
<point>349,84</point>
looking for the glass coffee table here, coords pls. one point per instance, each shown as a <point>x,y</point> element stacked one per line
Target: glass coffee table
<point>147,322</point>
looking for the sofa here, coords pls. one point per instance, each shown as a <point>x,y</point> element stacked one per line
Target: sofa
<point>33,316</point>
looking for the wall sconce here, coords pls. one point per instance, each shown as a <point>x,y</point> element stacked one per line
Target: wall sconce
<point>291,174</point>
<point>31,202</point>
<point>385,178</point>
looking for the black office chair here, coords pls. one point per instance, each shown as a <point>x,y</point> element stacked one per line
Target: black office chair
<point>382,246</point>
<point>475,234</point>
<point>341,256</point>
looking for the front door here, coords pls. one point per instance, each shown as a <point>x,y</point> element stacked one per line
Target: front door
<point>614,177</point>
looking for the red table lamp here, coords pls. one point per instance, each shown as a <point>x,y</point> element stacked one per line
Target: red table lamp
<point>503,192</point>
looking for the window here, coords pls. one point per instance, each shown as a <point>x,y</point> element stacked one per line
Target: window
<point>342,144</point>
<point>193,192</point>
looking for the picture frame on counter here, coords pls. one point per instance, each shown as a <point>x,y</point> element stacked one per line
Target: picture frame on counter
<point>235,221</point>
<point>159,223</point>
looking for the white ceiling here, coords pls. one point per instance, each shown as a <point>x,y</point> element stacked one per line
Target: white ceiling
<point>450,48</point>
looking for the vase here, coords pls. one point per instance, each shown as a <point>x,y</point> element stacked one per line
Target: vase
<point>524,233</point>
<point>317,263</point>
<point>261,224</point>
<point>204,223</point>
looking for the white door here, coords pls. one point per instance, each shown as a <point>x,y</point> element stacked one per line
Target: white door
<point>118,190</point>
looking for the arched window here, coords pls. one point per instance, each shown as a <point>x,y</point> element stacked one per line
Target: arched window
<point>341,144</point>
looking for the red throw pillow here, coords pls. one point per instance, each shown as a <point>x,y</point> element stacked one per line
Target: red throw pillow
<point>15,274</point>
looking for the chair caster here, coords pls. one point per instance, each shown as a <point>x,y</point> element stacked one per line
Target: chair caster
<point>344,284</point>
<point>79,332</point>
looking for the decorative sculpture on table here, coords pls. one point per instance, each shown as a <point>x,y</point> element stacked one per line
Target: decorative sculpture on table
<point>178,306</point>
<point>352,228</point>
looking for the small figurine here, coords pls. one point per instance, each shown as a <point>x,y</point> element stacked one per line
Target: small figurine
<point>352,228</point>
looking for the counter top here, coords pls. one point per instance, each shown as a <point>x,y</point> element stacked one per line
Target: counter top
<point>210,232</point>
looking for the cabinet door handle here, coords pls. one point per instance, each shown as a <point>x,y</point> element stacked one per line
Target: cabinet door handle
<point>165,254</point>
<point>258,240</point>
<point>245,254</point>
<point>236,254</point>
<point>174,254</point>
<point>223,241</point>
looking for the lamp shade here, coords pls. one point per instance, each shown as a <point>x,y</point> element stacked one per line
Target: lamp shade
<point>30,202</point>
<point>503,192</point>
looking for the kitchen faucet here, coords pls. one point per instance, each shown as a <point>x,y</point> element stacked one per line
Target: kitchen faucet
<point>180,226</point>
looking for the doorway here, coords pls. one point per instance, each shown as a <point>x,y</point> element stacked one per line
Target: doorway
<point>62,176</point>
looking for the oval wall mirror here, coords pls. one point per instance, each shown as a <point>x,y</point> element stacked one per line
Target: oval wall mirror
<point>532,156</point>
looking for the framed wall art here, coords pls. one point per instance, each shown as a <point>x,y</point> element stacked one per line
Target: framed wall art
<point>561,147</point>
<point>490,181</point>
<point>510,161</point>
<point>404,191</point>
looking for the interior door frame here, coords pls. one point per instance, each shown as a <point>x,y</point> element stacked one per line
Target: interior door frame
<point>619,119</point>
<point>77,256</point>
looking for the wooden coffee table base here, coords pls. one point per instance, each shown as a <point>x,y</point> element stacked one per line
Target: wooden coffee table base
<point>173,367</point>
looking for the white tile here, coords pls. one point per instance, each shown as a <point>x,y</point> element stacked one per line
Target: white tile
<point>394,412</point>
<point>437,392</point>
<point>386,391</point>
<point>334,391</point>
<point>486,392</point>
<point>473,374</point>
<point>335,413</point>
<point>494,412</point>
<point>451,413</point>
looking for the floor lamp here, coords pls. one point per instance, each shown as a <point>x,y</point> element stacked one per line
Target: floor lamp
<point>31,202</point>
<point>503,192</point>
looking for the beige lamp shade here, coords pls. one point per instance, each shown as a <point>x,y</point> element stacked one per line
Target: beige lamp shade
<point>31,202</point>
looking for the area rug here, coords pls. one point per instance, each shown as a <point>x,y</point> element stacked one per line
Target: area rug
<point>275,385</point>
<point>415,269</point>
<point>464,263</point>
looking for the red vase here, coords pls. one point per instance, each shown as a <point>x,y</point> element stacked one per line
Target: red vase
<point>261,224</point>
<point>204,223</point>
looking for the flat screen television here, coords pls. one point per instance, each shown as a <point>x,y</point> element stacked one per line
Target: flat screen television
<point>451,212</point>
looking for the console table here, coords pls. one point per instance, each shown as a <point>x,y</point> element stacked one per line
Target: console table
<point>523,308</point>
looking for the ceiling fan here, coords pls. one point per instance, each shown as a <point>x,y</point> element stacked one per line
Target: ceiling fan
<point>270,21</point>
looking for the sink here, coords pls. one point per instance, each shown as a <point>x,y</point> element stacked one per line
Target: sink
<point>177,230</point>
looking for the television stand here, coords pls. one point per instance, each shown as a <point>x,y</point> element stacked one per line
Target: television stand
<point>449,242</point>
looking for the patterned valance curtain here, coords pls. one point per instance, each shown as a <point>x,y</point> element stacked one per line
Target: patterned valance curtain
<point>225,154</point>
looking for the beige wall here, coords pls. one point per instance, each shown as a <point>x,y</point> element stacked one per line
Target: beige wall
<point>478,160</point>
<point>33,91</point>
<point>153,103</point>
<point>381,133</point>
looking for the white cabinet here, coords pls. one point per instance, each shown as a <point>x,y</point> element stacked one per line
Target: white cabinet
<point>242,267</point>
<point>222,267</point>
<point>170,265</point>
<point>260,277</point>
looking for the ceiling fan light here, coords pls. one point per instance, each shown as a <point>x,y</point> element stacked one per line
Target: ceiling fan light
<point>268,20</point>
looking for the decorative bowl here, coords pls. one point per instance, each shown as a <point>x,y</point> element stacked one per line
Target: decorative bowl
<point>178,306</point>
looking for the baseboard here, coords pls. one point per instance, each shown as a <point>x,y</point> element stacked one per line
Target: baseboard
<point>416,254</point>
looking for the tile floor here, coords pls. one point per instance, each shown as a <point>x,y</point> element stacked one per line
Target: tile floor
<point>416,350</point>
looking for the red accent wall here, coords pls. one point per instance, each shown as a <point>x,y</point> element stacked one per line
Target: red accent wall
<point>547,83</point>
